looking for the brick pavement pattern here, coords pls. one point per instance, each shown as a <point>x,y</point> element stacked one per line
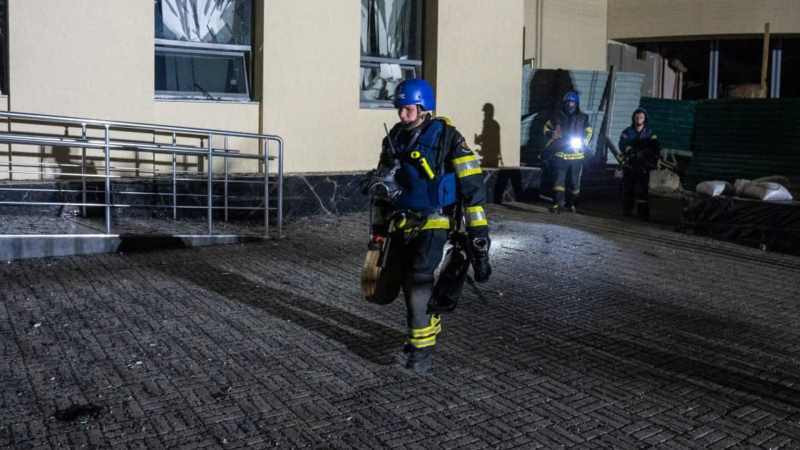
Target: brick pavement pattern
<point>596,333</point>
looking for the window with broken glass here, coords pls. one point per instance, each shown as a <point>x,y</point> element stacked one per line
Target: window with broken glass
<point>391,48</point>
<point>203,49</point>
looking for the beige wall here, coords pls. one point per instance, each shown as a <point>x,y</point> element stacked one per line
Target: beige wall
<point>479,62</point>
<point>311,73</point>
<point>637,20</point>
<point>82,58</point>
<point>94,59</point>
<point>311,89</point>
<point>220,116</point>
<point>566,34</point>
<point>69,58</point>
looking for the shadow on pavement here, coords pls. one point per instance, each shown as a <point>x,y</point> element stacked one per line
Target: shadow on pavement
<point>365,338</point>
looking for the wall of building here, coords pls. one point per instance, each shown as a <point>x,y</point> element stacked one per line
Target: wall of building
<point>310,89</point>
<point>566,34</point>
<point>67,58</point>
<point>636,20</point>
<point>479,63</point>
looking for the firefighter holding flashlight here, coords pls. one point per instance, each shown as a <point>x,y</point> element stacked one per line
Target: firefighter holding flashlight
<point>568,135</point>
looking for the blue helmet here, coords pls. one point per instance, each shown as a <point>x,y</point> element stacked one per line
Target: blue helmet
<point>415,91</point>
<point>572,97</point>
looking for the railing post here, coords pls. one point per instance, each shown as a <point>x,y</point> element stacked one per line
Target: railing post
<point>83,172</point>
<point>266,188</point>
<point>108,182</point>
<point>174,182</point>
<point>209,182</point>
<point>41,161</point>
<point>280,188</point>
<point>226,179</point>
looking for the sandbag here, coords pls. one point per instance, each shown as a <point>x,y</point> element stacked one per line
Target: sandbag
<point>715,188</point>
<point>770,192</point>
<point>664,181</point>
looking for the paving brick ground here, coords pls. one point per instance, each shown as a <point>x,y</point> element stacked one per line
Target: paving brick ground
<point>596,333</point>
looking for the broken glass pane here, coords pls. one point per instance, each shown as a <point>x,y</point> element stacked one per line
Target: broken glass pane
<point>379,81</point>
<point>391,29</point>
<point>206,21</point>
<point>200,73</point>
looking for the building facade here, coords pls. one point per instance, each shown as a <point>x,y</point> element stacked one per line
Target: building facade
<point>284,67</point>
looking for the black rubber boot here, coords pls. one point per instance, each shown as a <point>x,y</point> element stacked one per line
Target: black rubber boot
<point>419,360</point>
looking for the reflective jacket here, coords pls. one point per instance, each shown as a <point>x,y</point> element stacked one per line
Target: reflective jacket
<point>573,125</point>
<point>446,154</point>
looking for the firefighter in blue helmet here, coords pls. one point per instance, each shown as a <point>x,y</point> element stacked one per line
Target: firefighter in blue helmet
<point>438,178</point>
<point>639,146</point>
<point>568,135</point>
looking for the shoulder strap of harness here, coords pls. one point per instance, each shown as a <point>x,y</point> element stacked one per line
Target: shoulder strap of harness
<point>447,132</point>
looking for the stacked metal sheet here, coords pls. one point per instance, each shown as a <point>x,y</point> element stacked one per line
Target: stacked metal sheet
<point>672,121</point>
<point>542,91</point>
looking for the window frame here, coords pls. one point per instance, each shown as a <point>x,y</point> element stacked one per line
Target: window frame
<point>211,96</point>
<point>405,64</point>
<point>211,49</point>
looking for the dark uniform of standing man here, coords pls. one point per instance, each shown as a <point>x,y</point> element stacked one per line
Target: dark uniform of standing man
<point>436,173</point>
<point>569,134</point>
<point>639,146</point>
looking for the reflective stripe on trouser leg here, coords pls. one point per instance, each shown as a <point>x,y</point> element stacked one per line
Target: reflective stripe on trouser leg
<point>476,217</point>
<point>422,327</point>
<point>560,182</point>
<point>425,337</point>
<point>575,169</point>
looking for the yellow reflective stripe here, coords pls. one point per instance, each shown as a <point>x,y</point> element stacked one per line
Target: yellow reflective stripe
<point>436,322</point>
<point>548,127</point>
<point>425,337</point>
<point>476,216</point>
<point>559,188</point>
<point>425,333</point>
<point>575,192</point>
<point>588,131</point>
<point>422,343</point>
<point>464,159</point>
<point>469,172</point>
<point>436,224</point>
<point>574,156</point>
<point>654,137</point>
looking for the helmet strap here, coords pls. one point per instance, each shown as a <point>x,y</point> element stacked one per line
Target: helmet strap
<point>420,119</point>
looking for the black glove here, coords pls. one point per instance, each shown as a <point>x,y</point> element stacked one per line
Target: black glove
<point>365,185</point>
<point>480,259</point>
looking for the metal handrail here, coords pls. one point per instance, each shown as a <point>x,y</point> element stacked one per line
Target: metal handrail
<point>107,144</point>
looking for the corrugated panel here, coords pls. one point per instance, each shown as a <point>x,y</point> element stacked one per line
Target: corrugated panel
<point>627,95</point>
<point>672,121</point>
<point>747,138</point>
<point>542,91</point>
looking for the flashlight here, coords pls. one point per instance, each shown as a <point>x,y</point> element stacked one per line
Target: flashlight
<point>576,143</point>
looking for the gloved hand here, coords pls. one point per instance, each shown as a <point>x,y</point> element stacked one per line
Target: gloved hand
<point>480,259</point>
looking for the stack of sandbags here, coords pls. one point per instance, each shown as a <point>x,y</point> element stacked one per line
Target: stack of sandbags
<point>771,189</point>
